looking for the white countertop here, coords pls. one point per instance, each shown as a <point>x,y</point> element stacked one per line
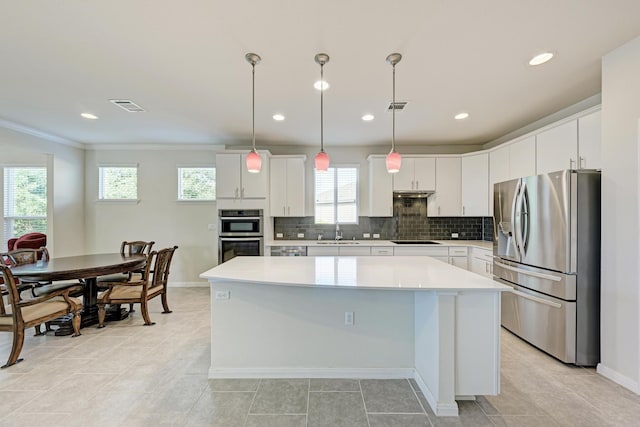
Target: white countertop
<point>367,272</point>
<point>376,242</point>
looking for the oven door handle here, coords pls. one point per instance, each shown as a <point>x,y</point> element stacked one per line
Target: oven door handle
<point>238,239</point>
<point>239,217</point>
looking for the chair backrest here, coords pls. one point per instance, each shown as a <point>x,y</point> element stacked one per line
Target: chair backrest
<point>28,241</point>
<point>28,256</point>
<point>10,287</point>
<point>136,247</point>
<point>161,267</point>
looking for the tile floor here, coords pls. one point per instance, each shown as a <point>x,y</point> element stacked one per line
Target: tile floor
<point>132,375</point>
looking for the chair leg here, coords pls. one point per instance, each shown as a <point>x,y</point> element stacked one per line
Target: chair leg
<point>165,305</point>
<point>39,331</point>
<point>102,312</point>
<point>145,313</point>
<point>131,310</point>
<point>76,323</point>
<point>18,340</point>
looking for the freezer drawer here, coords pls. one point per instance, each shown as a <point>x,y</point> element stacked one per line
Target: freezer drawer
<point>546,322</point>
<point>552,283</point>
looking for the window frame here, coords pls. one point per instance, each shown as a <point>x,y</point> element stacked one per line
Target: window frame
<point>335,194</point>
<point>101,197</point>
<point>179,179</point>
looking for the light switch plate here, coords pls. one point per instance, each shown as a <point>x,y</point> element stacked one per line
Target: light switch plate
<point>279,235</point>
<point>211,227</point>
<point>300,235</point>
<point>376,235</point>
<point>366,235</point>
<point>454,235</point>
<point>222,294</point>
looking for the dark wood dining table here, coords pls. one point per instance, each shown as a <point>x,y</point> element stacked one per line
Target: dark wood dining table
<point>85,267</point>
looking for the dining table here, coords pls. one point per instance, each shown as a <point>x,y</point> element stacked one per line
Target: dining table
<point>86,269</point>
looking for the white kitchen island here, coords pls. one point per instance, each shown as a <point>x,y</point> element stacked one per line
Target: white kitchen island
<point>358,317</point>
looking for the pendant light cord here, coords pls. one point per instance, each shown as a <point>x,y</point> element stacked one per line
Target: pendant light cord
<point>322,108</point>
<point>393,113</point>
<point>253,105</point>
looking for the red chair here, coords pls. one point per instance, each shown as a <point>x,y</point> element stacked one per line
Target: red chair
<point>28,241</point>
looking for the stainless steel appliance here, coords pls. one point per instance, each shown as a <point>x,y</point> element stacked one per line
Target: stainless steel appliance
<point>240,233</point>
<point>288,251</point>
<point>547,247</point>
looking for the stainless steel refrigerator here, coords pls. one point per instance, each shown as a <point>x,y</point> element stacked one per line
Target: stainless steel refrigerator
<point>547,247</point>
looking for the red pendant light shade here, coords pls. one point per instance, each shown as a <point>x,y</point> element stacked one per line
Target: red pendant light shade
<point>394,161</point>
<point>322,161</point>
<point>254,161</point>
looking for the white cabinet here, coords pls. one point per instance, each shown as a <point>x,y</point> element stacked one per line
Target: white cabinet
<point>416,173</point>
<point>322,251</point>
<point>286,195</point>
<point>446,200</point>
<point>522,158</point>
<point>557,148</point>
<point>475,185</point>
<point>354,250</point>
<point>380,187</point>
<point>458,256</point>
<point>382,250</point>
<point>590,141</point>
<point>344,250</point>
<point>498,170</point>
<point>482,261</point>
<point>432,251</point>
<point>233,181</point>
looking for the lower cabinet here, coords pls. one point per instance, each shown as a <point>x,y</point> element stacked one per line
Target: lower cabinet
<point>347,250</point>
<point>482,262</point>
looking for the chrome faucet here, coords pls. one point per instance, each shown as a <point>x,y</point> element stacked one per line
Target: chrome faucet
<point>338,232</point>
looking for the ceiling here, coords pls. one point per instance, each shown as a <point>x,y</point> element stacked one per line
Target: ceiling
<point>183,62</point>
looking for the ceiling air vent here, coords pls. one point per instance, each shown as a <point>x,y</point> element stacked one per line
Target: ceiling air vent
<point>398,106</point>
<point>128,105</point>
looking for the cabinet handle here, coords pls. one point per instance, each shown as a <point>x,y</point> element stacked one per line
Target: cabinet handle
<point>283,211</point>
<point>463,210</point>
<point>571,162</point>
<point>580,160</point>
<point>236,192</point>
<point>438,210</point>
<point>289,210</point>
<point>412,185</point>
<point>417,185</point>
<point>242,193</point>
<point>486,267</point>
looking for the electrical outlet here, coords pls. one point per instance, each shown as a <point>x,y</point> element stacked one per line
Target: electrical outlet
<point>376,235</point>
<point>348,318</point>
<point>300,235</point>
<point>454,235</point>
<point>211,227</point>
<point>279,235</point>
<point>222,294</point>
<point>366,235</point>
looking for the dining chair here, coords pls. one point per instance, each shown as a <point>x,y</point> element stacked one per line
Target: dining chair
<point>25,313</point>
<point>153,282</point>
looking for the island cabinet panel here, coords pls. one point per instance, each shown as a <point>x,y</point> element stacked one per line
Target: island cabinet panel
<point>233,181</point>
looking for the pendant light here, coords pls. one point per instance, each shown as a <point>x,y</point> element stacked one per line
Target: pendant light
<point>322,158</point>
<point>254,161</point>
<point>394,160</point>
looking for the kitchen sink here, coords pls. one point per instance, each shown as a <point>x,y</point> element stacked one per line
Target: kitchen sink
<point>338,242</point>
<point>415,242</point>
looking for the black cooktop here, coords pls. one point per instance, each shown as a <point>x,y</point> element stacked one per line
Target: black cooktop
<point>415,242</point>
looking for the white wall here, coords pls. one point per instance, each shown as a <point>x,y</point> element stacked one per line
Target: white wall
<point>65,236</point>
<point>158,216</point>
<point>620,306</point>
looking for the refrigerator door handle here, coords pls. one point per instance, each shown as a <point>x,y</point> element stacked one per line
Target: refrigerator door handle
<point>516,221</point>
<point>537,299</point>
<point>525,218</point>
<point>529,273</point>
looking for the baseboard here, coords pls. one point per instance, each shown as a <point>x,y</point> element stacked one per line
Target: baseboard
<point>373,373</point>
<point>441,410</point>
<point>188,284</point>
<point>618,378</point>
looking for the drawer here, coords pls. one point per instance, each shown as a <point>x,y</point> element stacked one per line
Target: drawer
<point>458,251</point>
<point>355,250</point>
<point>442,251</point>
<point>381,251</point>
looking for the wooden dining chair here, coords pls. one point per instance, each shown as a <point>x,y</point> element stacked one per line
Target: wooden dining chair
<point>153,282</point>
<point>25,313</point>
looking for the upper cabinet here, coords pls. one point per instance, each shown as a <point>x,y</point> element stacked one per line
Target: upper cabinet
<point>589,141</point>
<point>522,158</point>
<point>287,190</point>
<point>233,181</point>
<point>416,173</point>
<point>380,187</point>
<point>475,185</point>
<point>446,201</point>
<point>557,148</point>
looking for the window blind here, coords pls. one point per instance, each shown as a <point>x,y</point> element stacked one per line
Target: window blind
<point>196,183</point>
<point>25,201</point>
<point>118,183</point>
<point>336,196</point>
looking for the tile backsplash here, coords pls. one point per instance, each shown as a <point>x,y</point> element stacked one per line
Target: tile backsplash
<point>409,222</point>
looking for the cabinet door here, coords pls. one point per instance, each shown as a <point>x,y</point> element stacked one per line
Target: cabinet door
<point>404,179</point>
<point>295,186</point>
<point>557,148</point>
<point>498,170</point>
<point>590,141</point>
<point>424,173</point>
<point>227,176</point>
<point>254,185</point>
<point>446,200</point>
<point>480,266</point>
<point>380,188</point>
<point>322,250</point>
<point>355,250</point>
<point>459,261</point>
<point>522,158</point>
<point>475,185</point>
<point>278,182</point>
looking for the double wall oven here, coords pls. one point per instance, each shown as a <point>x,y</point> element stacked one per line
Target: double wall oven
<point>240,233</point>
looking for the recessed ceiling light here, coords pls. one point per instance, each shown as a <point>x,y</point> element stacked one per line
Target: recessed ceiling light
<point>89,116</point>
<point>278,117</point>
<point>368,117</point>
<point>541,58</point>
<point>461,116</point>
<point>321,85</point>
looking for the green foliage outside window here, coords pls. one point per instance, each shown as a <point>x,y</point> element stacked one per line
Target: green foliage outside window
<point>197,183</point>
<point>25,200</point>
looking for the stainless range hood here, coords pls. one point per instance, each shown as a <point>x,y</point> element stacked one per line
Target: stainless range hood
<point>412,194</point>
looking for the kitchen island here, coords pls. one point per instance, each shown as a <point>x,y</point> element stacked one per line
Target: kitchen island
<point>358,317</point>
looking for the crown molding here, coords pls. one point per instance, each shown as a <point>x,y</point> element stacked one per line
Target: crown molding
<point>154,147</point>
<point>39,134</point>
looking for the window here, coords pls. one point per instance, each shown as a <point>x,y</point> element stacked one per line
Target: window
<point>25,201</point>
<point>196,183</point>
<point>336,198</point>
<point>118,183</point>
